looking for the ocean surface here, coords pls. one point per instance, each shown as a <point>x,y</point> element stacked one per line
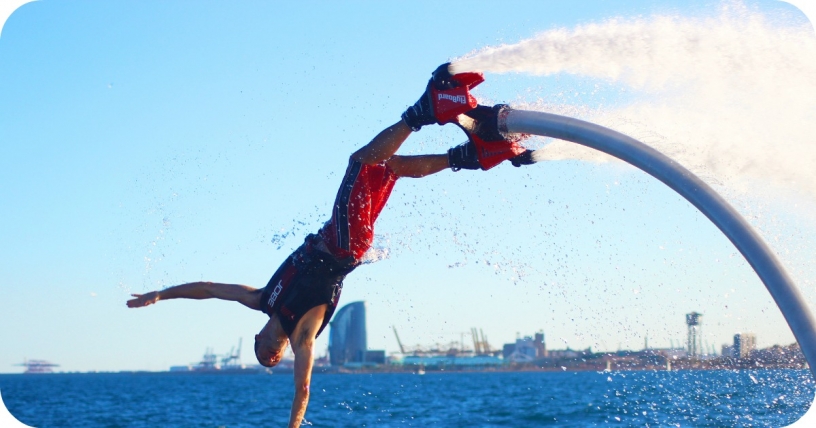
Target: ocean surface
<point>770,398</point>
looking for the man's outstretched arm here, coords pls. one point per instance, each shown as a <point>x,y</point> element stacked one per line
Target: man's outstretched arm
<point>242,294</point>
<point>304,360</point>
<point>302,340</point>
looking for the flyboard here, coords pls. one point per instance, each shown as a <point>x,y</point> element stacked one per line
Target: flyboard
<point>726,218</point>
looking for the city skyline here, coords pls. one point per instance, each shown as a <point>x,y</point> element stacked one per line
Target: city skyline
<point>210,357</point>
<point>351,319</point>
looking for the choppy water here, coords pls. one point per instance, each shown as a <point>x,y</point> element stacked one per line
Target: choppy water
<point>689,398</point>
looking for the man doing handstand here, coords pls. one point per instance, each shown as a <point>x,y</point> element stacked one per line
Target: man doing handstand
<point>302,295</point>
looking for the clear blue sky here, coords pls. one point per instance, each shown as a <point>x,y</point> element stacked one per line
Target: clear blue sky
<point>146,144</point>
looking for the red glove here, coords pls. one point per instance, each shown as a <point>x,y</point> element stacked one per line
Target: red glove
<point>490,145</point>
<point>446,97</point>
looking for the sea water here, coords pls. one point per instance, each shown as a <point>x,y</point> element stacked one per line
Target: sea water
<point>743,398</point>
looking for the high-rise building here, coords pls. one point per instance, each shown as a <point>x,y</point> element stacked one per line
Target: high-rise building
<point>744,344</point>
<point>348,342</point>
<point>541,345</point>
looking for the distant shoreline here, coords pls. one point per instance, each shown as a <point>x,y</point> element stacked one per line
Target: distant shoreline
<point>407,370</point>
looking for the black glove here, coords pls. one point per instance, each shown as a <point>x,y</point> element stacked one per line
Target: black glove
<point>525,158</point>
<point>463,156</point>
<point>421,113</point>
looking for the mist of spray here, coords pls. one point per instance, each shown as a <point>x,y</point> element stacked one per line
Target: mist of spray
<point>732,97</point>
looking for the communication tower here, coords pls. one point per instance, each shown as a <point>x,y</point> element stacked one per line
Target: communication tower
<point>694,341</point>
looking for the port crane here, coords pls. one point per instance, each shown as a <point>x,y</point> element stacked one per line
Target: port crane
<point>480,345</point>
<point>402,348</point>
<point>234,356</point>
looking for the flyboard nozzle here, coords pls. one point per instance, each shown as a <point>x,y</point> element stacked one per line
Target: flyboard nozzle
<point>442,77</point>
<point>446,77</point>
<point>456,68</point>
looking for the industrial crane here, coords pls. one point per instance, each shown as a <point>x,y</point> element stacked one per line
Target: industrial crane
<point>402,348</point>
<point>480,346</point>
<point>234,357</point>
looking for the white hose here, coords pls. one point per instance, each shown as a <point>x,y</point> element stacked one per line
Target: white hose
<point>742,235</point>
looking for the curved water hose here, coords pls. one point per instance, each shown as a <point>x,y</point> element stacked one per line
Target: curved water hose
<point>674,175</point>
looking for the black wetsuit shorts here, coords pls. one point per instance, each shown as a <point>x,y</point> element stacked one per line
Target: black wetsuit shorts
<point>309,277</point>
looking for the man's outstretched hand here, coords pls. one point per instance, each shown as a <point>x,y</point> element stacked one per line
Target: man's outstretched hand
<point>446,96</point>
<point>142,300</point>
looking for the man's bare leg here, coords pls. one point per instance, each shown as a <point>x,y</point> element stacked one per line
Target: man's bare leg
<point>384,145</point>
<point>302,341</point>
<point>417,166</point>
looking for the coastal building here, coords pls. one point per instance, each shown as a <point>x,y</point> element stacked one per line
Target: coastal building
<point>568,353</point>
<point>348,341</point>
<point>744,345</point>
<point>449,362</point>
<point>375,356</point>
<point>525,349</point>
<point>540,344</point>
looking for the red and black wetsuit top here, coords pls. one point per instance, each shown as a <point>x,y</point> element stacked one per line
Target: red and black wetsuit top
<point>309,277</point>
<point>361,198</point>
<point>313,274</point>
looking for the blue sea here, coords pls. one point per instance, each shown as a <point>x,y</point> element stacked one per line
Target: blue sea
<point>770,398</point>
